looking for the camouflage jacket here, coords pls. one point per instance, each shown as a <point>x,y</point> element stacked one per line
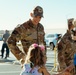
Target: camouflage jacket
<point>67,49</point>
<point>28,34</point>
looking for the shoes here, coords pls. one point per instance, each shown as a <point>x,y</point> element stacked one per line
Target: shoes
<point>1,57</point>
<point>5,57</point>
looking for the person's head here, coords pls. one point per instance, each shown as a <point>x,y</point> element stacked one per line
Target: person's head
<point>70,24</point>
<point>6,31</point>
<point>37,14</point>
<point>35,55</point>
<point>72,27</point>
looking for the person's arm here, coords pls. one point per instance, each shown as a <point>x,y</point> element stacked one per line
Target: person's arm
<point>67,70</point>
<point>44,71</point>
<point>12,43</point>
<point>3,37</point>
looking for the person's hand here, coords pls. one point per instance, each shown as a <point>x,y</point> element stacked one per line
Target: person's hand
<point>43,70</point>
<point>73,37</point>
<point>22,61</point>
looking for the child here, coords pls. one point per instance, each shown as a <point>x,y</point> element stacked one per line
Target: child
<point>35,61</point>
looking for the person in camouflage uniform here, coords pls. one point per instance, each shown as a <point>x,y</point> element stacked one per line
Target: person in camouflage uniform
<point>67,46</point>
<point>28,33</point>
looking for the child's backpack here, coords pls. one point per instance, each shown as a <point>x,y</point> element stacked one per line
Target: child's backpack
<point>27,70</point>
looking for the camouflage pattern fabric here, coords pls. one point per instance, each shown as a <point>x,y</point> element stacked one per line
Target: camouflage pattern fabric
<point>28,34</point>
<point>66,51</point>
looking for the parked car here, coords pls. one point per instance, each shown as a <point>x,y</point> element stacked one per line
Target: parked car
<point>51,40</point>
<point>1,37</point>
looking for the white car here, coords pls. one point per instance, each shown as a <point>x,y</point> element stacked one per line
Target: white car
<point>51,40</point>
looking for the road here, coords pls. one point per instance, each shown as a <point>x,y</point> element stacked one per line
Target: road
<point>9,69</point>
<point>11,66</point>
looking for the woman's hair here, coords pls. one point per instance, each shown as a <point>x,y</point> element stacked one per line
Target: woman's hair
<point>35,55</point>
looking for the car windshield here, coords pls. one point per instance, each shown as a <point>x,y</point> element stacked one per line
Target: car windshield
<point>50,36</point>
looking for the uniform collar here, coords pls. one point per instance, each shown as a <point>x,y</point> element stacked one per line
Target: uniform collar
<point>31,24</point>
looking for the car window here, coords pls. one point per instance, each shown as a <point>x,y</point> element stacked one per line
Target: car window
<point>50,35</point>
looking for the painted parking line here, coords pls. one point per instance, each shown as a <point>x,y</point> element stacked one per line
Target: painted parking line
<point>1,64</point>
<point>10,72</point>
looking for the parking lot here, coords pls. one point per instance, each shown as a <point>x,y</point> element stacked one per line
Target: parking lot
<point>11,66</point>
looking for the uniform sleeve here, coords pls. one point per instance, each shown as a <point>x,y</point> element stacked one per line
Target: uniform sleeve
<point>62,43</point>
<point>12,43</point>
<point>62,50</point>
<point>44,41</point>
<point>42,38</point>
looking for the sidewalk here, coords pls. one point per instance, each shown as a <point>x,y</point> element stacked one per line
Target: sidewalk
<point>11,59</point>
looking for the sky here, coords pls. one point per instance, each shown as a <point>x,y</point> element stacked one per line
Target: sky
<point>56,12</point>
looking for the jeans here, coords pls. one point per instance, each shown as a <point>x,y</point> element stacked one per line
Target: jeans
<point>7,50</point>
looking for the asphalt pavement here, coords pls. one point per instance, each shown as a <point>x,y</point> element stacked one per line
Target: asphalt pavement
<point>11,66</point>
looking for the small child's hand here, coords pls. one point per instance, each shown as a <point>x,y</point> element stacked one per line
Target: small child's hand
<point>22,62</point>
<point>44,70</point>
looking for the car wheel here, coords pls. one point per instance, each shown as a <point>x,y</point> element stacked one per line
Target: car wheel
<point>51,46</point>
